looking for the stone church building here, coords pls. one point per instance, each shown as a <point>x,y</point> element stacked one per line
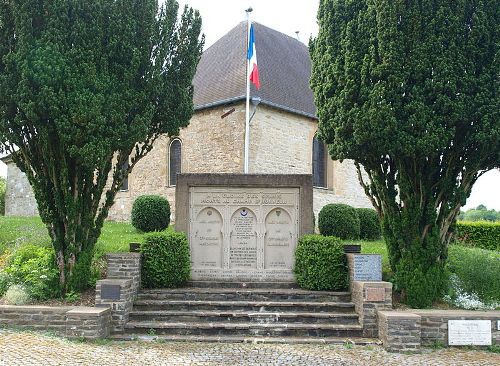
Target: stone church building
<point>282,129</point>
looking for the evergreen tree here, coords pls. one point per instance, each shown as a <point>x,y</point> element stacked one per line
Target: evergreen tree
<point>410,91</point>
<point>86,87</point>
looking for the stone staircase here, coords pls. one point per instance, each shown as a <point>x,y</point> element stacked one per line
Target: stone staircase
<point>244,312</point>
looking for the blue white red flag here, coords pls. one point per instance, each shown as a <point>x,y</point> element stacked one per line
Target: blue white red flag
<point>253,70</point>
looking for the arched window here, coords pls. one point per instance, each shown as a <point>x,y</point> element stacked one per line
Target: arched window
<point>319,163</point>
<point>174,162</point>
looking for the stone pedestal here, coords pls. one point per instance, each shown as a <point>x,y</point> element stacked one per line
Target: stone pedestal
<point>243,227</point>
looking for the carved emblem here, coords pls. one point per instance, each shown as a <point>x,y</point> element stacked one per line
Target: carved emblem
<point>278,212</point>
<point>209,212</point>
<point>244,212</point>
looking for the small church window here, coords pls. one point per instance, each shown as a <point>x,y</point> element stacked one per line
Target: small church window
<point>319,163</point>
<point>124,186</point>
<point>174,161</point>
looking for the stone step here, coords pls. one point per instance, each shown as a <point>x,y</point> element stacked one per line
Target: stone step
<point>251,294</point>
<point>239,284</point>
<point>244,339</point>
<point>249,329</point>
<point>242,317</point>
<point>254,306</point>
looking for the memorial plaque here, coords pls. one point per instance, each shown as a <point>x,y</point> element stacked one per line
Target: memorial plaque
<point>257,230</point>
<point>367,267</point>
<point>279,240</point>
<point>469,332</point>
<point>110,292</point>
<point>243,249</point>
<point>207,239</point>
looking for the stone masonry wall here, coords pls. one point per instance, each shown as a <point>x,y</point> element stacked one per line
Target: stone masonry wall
<point>72,322</point>
<point>19,197</point>
<point>280,143</point>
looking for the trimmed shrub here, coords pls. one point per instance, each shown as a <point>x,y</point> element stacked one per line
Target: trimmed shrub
<point>320,263</point>
<point>150,213</point>
<point>83,274</point>
<point>17,295</point>
<point>339,220</point>
<point>34,267</point>
<point>479,234</point>
<point>369,224</point>
<point>477,271</point>
<point>165,260</point>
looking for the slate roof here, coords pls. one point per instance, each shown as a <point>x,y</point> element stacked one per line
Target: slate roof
<point>284,68</point>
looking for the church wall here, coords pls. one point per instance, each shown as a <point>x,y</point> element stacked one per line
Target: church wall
<point>19,197</point>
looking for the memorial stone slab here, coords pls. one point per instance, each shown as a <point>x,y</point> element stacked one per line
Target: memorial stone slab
<point>367,267</point>
<point>469,332</point>
<point>110,292</point>
<point>251,233</point>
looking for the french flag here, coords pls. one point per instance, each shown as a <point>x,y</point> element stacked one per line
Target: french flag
<point>253,70</point>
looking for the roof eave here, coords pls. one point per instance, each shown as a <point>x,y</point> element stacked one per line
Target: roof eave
<point>264,102</point>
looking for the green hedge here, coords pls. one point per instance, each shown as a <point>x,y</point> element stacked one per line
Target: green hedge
<point>369,224</point>
<point>480,234</point>
<point>320,263</point>
<point>165,260</point>
<point>339,220</point>
<point>150,213</point>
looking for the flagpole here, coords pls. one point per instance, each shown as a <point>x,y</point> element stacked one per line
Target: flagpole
<point>247,111</point>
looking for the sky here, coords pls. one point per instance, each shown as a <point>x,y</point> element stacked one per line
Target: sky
<point>289,16</point>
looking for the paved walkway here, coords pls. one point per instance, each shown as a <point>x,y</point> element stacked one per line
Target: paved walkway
<point>26,348</point>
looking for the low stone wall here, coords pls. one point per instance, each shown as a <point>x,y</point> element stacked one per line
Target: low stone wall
<point>399,331</point>
<point>86,322</point>
<point>408,330</point>
<point>435,323</point>
<point>368,298</point>
<point>125,266</point>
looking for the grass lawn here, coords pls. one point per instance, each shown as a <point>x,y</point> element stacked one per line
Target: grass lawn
<point>16,231</point>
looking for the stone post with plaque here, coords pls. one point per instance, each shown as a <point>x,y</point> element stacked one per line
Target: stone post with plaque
<point>243,227</point>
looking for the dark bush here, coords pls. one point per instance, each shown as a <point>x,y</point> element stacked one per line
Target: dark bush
<point>480,234</point>
<point>320,263</point>
<point>369,224</point>
<point>82,277</point>
<point>150,213</point>
<point>165,260</point>
<point>339,220</point>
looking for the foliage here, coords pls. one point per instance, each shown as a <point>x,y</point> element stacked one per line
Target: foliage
<point>409,90</point>
<point>484,235</point>
<point>165,260</point>
<point>2,195</point>
<point>150,213</point>
<point>34,267</point>
<point>339,220</point>
<point>369,224</point>
<point>5,282</point>
<point>480,213</point>
<point>17,295</point>
<point>477,271</point>
<point>86,88</point>
<point>320,263</point>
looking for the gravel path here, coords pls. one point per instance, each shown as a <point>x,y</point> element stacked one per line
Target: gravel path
<point>27,348</point>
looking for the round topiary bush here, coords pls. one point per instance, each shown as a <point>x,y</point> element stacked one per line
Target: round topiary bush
<point>339,220</point>
<point>150,213</point>
<point>165,260</point>
<point>369,224</point>
<point>320,263</point>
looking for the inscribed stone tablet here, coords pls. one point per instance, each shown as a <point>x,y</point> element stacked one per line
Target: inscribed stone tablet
<point>243,248</point>
<point>469,332</point>
<point>207,240</point>
<point>367,267</point>
<point>278,241</point>
<point>110,292</point>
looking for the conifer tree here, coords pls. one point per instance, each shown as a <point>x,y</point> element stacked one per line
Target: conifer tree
<point>410,91</point>
<point>86,87</point>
